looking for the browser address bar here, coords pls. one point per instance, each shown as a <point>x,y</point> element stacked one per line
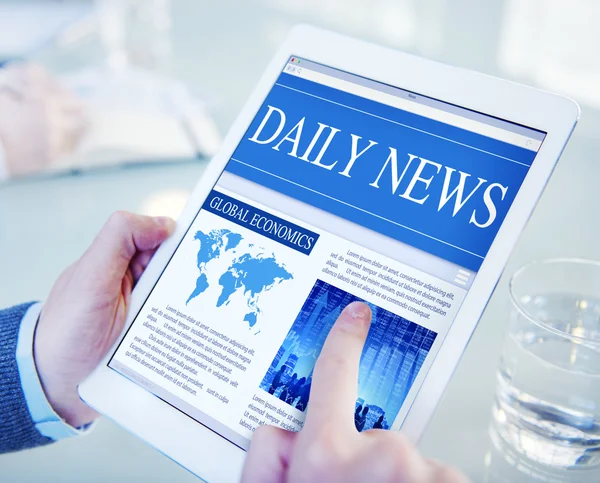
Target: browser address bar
<point>416,108</point>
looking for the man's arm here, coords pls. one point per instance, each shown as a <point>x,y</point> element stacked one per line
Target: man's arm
<point>17,429</point>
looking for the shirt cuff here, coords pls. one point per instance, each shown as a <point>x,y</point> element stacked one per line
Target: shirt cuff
<point>46,421</point>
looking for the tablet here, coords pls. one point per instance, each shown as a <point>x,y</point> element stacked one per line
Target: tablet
<point>354,172</point>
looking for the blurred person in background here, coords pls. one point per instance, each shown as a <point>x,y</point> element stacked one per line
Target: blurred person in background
<point>40,120</point>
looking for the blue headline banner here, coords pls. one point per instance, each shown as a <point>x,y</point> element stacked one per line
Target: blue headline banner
<point>434,186</point>
<point>261,222</point>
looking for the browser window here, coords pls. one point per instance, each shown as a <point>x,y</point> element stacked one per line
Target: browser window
<point>342,189</point>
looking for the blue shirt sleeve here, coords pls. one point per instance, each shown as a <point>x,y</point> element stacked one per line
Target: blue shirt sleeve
<point>46,421</point>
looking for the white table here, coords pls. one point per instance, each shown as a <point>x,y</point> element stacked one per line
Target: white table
<point>45,224</point>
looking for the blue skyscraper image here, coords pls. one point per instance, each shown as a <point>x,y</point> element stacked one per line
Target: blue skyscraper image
<point>394,352</point>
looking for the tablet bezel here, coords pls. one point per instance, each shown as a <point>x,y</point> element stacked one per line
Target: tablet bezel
<point>211,456</point>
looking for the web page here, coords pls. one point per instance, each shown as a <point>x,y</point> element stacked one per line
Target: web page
<point>342,189</point>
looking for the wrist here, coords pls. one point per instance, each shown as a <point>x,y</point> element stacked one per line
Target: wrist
<point>59,388</point>
<point>67,405</point>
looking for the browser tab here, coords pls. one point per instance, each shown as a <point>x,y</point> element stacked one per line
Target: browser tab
<point>420,105</point>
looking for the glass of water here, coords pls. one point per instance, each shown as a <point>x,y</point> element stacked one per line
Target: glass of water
<point>547,405</point>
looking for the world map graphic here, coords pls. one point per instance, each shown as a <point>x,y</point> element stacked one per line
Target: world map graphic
<point>251,270</point>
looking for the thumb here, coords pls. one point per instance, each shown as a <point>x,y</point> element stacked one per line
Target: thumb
<point>124,235</point>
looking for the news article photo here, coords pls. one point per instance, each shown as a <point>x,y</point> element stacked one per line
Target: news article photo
<point>394,352</point>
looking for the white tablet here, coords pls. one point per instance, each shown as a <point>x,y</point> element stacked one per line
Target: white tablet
<point>354,172</point>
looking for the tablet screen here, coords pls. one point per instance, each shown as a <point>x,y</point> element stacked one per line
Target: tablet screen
<point>342,189</point>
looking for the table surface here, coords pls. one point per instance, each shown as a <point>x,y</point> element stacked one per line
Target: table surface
<point>47,222</point>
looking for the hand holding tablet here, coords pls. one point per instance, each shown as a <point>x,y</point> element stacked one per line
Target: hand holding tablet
<point>87,307</point>
<point>329,448</point>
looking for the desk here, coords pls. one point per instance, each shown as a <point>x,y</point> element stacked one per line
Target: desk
<point>47,223</point>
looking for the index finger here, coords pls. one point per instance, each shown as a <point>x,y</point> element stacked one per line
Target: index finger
<point>335,379</point>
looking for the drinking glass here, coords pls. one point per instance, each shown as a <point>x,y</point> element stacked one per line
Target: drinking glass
<point>547,405</point>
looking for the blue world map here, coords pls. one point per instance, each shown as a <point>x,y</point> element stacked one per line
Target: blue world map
<point>251,273</point>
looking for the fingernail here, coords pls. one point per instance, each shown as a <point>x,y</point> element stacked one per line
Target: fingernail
<point>165,222</point>
<point>359,310</point>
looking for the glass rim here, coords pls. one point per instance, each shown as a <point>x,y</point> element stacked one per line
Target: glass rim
<point>517,304</point>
